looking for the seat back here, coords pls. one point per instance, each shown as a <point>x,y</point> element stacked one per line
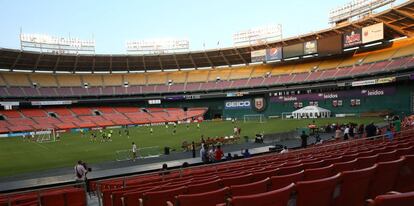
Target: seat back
<point>316,192</point>
<point>250,188</point>
<point>318,173</point>
<point>385,177</point>
<point>405,151</point>
<point>345,166</point>
<point>405,181</point>
<point>204,187</point>
<point>132,198</point>
<point>159,198</point>
<point>314,164</point>
<point>368,161</point>
<point>53,199</point>
<point>203,199</point>
<point>257,176</point>
<point>354,187</point>
<point>237,180</point>
<point>278,197</point>
<point>277,182</point>
<point>290,169</point>
<point>387,156</point>
<point>402,199</point>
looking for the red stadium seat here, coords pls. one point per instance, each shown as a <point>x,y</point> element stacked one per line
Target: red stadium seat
<point>385,177</point>
<point>290,169</point>
<point>278,197</point>
<point>277,182</point>
<point>349,157</point>
<point>257,176</point>
<point>159,198</point>
<point>316,192</point>
<point>318,173</point>
<point>405,151</point>
<point>250,188</point>
<point>204,187</point>
<point>345,166</point>
<point>202,199</point>
<point>237,180</point>
<point>368,161</point>
<point>314,164</point>
<point>399,199</point>
<point>354,187</point>
<point>387,156</point>
<point>405,182</point>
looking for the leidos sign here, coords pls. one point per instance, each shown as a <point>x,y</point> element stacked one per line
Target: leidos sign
<point>239,104</point>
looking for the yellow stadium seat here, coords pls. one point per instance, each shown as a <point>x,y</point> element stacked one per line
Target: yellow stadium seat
<point>197,76</point>
<point>240,72</point>
<point>113,79</point>
<point>283,69</point>
<point>222,73</point>
<point>305,67</point>
<point>92,79</point>
<point>136,79</point>
<point>157,78</point>
<point>2,82</point>
<point>69,80</point>
<point>329,64</point>
<point>44,80</point>
<point>260,71</point>
<point>17,79</point>
<point>177,77</point>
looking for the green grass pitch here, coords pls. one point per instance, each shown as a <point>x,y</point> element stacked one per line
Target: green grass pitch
<point>18,156</point>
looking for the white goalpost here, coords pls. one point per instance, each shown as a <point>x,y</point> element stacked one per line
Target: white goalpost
<point>287,115</point>
<point>254,118</point>
<point>44,136</point>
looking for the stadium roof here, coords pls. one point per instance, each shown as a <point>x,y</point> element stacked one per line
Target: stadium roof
<point>398,22</point>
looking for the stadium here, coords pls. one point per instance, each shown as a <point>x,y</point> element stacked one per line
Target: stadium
<point>323,118</point>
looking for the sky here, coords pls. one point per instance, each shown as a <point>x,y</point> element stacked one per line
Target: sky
<point>112,22</point>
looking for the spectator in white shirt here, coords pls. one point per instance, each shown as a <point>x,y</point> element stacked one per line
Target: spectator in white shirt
<point>346,133</point>
<point>80,171</point>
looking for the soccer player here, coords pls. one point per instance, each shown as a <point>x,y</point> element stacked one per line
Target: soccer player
<point>151,131</point>
<point>198,125</point>
<point>109,136</point>
<point>134,151</point>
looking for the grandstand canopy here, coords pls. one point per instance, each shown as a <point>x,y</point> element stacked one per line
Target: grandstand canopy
<point>398,22</point>
<point>311,112</point>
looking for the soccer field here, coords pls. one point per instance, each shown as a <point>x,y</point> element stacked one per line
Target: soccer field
<point>18,156</point>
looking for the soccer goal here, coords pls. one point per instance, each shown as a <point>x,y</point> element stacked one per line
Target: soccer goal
<point>254,118</point>
<point>287,115</point>
<point>142,153</point>
<point>44,136</point>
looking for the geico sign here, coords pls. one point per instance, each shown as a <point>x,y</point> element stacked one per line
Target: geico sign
<point>245,103</point>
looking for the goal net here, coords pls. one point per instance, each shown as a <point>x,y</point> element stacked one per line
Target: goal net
<point>44,136</point>
<point>287,115</point>
<point>142,153</point>
<point>254,118</point>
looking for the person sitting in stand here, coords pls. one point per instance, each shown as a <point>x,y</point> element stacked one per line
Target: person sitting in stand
<point>284,150</point>
<point>164,170</point>
<point>218,153</point>
<point>246,153</point>
<point>229,157</point>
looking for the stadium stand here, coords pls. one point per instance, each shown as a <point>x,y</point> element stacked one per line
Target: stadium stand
<point>355,185</point>
<point>87,117</point>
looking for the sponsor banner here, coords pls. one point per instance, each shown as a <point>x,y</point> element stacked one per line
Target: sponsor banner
<point>381,91</point>
<point>353,38</point>
<point>258,55</point>
<point>259,104</point>
<point>386,80</point>
<point>364,82</point>
<point>373,33</point>
<point>293,50</point>
<point>236,94</point>
<point>40,103</point>
<point>274,54</point>
<point>238,104</point>
<point>310,47</point>
<point>330,45</point>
